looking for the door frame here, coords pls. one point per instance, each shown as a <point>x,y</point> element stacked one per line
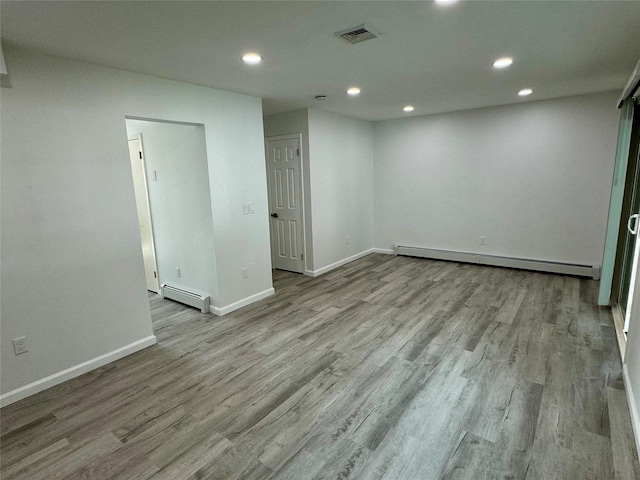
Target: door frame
<point>632,280</point>
<point>146,192</point>
<point>636,246</point>
<point>298,137</point>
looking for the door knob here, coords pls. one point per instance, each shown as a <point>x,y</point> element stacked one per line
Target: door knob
<point>274,215</point>
<point>633,220</point>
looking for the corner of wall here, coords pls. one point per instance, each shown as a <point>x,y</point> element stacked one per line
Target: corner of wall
<point>221,311</point>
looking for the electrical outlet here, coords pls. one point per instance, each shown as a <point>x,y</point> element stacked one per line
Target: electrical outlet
<point>348,239</point>
<point>245,272</point>
<point>483,240</point>
<point>177,271</point>
<point>20,345</point>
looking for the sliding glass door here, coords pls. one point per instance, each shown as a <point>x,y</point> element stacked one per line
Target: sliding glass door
<point>630,208</point>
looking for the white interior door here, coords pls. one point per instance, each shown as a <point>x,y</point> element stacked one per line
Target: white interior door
<point>284,168</point>
<point>144,214</point>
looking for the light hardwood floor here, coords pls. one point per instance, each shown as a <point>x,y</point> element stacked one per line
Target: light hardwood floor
<point>386,368</point>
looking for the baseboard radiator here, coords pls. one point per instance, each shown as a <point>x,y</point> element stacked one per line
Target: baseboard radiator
<point>497,261</point>
<point>181,295</point>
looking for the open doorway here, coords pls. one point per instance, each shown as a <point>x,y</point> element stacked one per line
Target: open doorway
<point>170,172</point>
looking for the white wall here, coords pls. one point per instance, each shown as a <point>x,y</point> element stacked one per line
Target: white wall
<point>180,202</point>
<point>534,179</point>
<point>297,122</point>
<point>72,275</point>
<point>338,182</point>
<point>341,187</point>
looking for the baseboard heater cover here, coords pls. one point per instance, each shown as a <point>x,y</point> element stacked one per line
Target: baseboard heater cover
<point>193,299</point>
<point>497,261</point>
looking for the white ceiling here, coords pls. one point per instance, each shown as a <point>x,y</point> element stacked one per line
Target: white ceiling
<point>433,57</point>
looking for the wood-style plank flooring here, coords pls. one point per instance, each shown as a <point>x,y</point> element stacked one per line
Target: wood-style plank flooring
<point>387,368</point>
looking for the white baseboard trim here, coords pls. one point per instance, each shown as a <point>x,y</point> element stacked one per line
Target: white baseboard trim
<point>75,371</point>
<point>385,251</point>
<point>339,263</point>
<point>220,311</point>
<point>635,415</point>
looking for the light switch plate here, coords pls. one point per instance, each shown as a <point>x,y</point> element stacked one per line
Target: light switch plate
<point>248,208</point>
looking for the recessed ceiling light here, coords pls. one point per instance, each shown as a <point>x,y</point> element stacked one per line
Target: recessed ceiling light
<point>408,108</point>
<point>525,91</point>
<point>503,62</point>
<point>251,58</point>
<point>353,91</point>
<point>445,2</point>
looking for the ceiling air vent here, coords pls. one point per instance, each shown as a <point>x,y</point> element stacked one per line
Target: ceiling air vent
<point>358,34</point>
